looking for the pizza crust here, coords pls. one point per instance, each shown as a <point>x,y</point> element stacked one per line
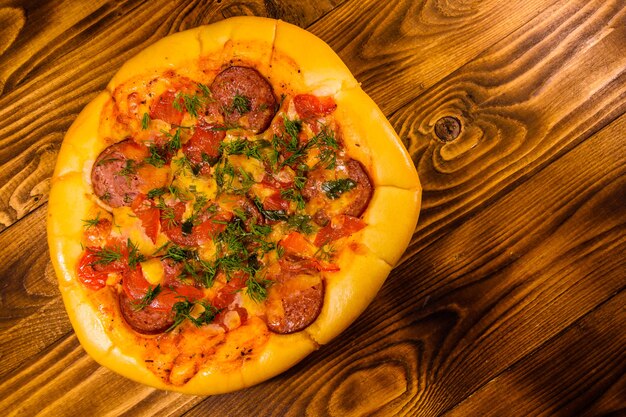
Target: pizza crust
<point>370,137</point>
<point>391,218</point>
<point>279,354</point>
<point>349,291</point>
<point>250,42</point>
<point>302,56</point>
<point>173,52</point>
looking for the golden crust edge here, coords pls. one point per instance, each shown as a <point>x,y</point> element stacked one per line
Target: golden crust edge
<point>344,300</point>
<point>316,69</point>
<point>369,136</point>
<point>392,217</point>
<point>208,46</point>
<point>169,52</point>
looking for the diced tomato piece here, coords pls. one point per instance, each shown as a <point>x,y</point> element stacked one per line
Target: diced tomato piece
<point>98,233</point>
<point>171,224</point>
<point>238,279</point>
<point>204,145</point>
<point>275,202</point>
<point>210,228</point>
<point>94,274</point>
<point>326,266</point>
<point>225,296</point>
<point>307,264</point>
<point>171,295</point>
<point>148,214</point>
<point>282,180</point>
<point>163,108</point>
<point>134,284</point>
<point>220,319</point>
<point>243,314</point>
<point>296,244</point>
<point>171,271</point>
<point>309,106</point>
<point>341,226</point>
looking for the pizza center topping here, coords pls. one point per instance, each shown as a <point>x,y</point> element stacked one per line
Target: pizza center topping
<point>225,207</point>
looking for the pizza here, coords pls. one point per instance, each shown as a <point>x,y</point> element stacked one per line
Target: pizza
<point>231,202</point>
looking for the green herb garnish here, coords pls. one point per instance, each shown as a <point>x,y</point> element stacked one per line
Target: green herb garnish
<point>134,256</point>
<point>335,188</point>
<point>292,194</point>
<point>156,192</point>
<point>106,161</point>
<point>292,127</point>
<point>156,157</point>
<point>145,121</point>
<point>241,104</point>
<point>274,215</point>
<point>130,168</point>
<point>148,297</point>
<point>106,256</point>
<point>302,223</point>
<point>182,312</point>
<point>257,289</point>
<point>174,143</point>
<point>92,222</point>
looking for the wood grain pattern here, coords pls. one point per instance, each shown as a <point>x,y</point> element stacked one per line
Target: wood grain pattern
<point>522,104</point>
<point>399,49</point>
<point>511,298</point>
<point>580,362</point>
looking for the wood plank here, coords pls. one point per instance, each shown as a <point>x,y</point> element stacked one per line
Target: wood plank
<point>399,49</point>
<point>584,362</point>
<point>81,387</point>
<point>300,13</point>
<point>610,402</point>
<point>31,310</point>
<point>58,59</point>
<point>521,104</point>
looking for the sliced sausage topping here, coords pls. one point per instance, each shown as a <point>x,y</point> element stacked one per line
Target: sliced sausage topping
<point>147,320</point>
<point>362,192</point>
<point>245,97</point>
<point>348,184</point>
<point>119,174</point>
<point>294,303</point>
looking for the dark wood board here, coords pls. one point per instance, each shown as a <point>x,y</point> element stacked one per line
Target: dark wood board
<point>511,298</point>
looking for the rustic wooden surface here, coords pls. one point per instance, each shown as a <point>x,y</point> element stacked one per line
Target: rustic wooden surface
<point>511,299</point>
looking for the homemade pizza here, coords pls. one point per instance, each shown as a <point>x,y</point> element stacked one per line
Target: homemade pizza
<point>231,202</point>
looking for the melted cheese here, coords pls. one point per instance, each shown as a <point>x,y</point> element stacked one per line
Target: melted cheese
<point>152,270</point>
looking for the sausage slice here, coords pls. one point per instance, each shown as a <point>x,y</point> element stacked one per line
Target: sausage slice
<point>148,320</point>
<point>294,303</point>
<point>119,174</point>
<point>245,97</point>
<point>362,193</point>
<point>353,201</point>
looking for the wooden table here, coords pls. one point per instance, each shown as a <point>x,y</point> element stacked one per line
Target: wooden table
<point>510,300</point>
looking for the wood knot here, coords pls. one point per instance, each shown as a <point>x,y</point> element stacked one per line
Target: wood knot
<point>448,128</point>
